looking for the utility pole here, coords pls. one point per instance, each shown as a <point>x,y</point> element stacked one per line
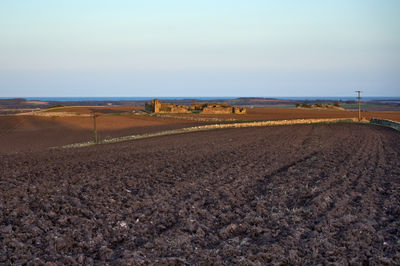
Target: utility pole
<point>95,129</point>
<point>359,105</point>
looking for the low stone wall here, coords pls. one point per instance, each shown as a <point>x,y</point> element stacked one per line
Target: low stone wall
<point>384,122</point>
<point>52,114</point>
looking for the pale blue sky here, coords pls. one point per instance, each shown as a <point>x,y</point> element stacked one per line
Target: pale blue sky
<point>199,48</point>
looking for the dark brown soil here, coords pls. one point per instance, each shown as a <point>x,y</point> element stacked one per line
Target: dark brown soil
<point>304,194</point>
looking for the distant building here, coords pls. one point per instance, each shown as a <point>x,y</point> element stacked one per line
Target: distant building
<point>206,108</point>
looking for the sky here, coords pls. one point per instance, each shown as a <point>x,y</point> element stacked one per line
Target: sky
<point>199,48</point>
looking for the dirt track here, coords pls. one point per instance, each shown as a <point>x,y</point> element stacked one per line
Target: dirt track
<point>289,194</point>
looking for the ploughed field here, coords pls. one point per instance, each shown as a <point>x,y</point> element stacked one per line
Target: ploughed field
<point>293,113</point>
<point>27,132</point>
<point>305,194</point>
<point>252,113</point>
<point>32,133</point>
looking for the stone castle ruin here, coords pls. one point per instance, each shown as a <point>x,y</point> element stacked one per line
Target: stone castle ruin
<point>206,108</point>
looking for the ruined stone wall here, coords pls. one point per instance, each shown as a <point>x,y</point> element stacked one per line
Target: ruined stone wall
<point>217,110</point>
<point>180,109</point>
<point>239,111</point>
<point>172,108</point>
<point>196,107</point>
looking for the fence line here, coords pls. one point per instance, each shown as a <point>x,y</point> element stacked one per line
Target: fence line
<point>385,122</point>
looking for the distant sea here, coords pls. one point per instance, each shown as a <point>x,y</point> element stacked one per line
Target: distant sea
<point>77,99</point>
<point>313,98</point>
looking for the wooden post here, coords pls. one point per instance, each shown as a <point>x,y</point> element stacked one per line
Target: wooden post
<point>95,129</point>
<point>359,105</point>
